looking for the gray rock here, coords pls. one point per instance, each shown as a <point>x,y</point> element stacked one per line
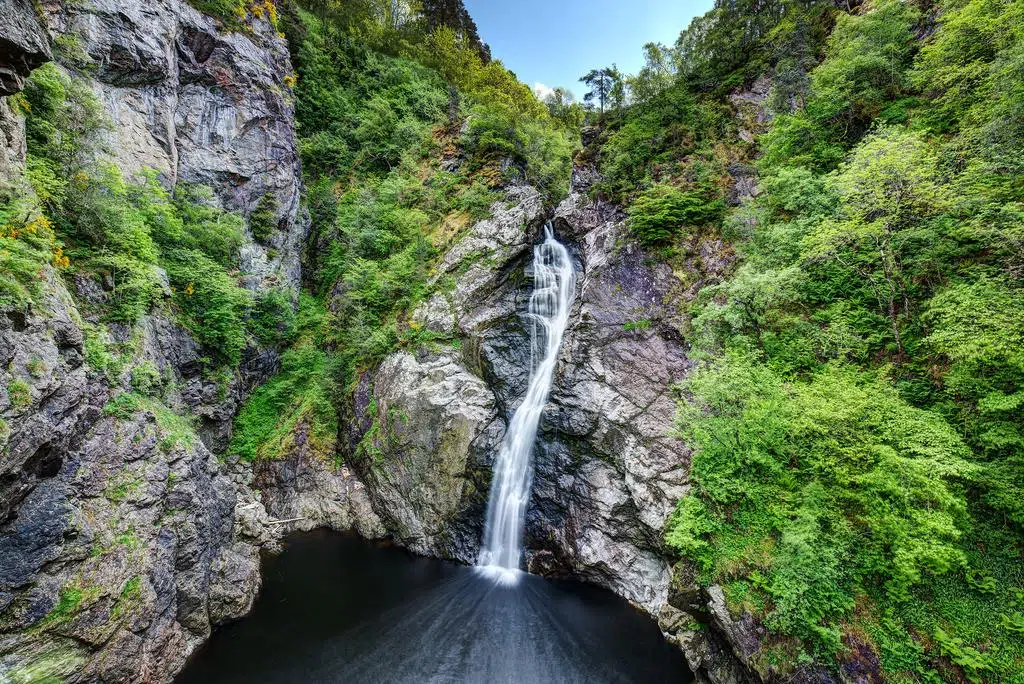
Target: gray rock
<point>24,44</point>
<point>433,423</point>
<point>313,493</point>
<point>197,105</point>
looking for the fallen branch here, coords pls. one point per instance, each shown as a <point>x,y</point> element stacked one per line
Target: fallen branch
<point>287,520</point>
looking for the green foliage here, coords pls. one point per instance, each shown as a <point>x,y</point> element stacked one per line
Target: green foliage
<point>297,401</point>
<point>146,379</point>
<point>660,213</point>
<point>27,244</point>
<point>191,220</point>
<point>175,430</point>
<point>825,487</point>
<point>263,219</point>
<point>669,136</point>
<point>211,303</point>
<point>19,394</point>
<point>101,355</point>
<point>506,121</point>
<point>857,423</point>
<point>865,69</point>
<point>639,325</point>
<point>272,318</point>
<point>360,109</point>
<point>120,232</point>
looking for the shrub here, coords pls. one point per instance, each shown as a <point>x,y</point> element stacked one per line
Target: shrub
<point>263,219</point>
<point>299,395</point>
<point>272,317</point>
<point>211,303</point>
<point>19,394</point>
<point>146,379</point>
<point>824,487</point>
<point>662,212</point>
<point>27,243</point>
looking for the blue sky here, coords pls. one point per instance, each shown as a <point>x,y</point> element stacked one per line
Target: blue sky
<point>554,42</point>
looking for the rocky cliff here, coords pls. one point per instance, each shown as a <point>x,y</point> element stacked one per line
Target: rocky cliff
<point>124,540</point>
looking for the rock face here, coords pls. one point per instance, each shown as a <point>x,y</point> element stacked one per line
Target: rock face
<point>23,44</point>
<point>433,425</point>
<point>123,539</point>
<point>197,105</point>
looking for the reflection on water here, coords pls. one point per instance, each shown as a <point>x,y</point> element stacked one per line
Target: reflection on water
<point>338,609</point>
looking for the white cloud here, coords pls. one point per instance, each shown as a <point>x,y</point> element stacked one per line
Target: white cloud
<point>542,91</point>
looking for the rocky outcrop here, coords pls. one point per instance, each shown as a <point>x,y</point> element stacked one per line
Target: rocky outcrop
<point>23,44</point>
<point>432,426</point>
<point>311,493</point>
<point>199,105</point>
<point>124,540</point>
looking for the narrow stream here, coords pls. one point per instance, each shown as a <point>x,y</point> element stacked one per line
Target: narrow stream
<point>335,608</point>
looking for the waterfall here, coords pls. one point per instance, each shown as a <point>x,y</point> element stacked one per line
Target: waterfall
<point>553,289</point>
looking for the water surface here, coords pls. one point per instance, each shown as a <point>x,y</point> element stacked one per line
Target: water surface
<point>336,608</point>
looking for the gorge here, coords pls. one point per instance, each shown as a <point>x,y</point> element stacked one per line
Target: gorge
<point>307,307</point>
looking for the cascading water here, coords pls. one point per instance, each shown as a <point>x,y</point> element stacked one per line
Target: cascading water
<point>553,289</point>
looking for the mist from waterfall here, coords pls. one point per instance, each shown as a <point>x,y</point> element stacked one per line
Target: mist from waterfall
<point>553,289</point>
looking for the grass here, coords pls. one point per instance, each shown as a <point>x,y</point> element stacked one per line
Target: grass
<point>175,430</point>
<point>19,394</point>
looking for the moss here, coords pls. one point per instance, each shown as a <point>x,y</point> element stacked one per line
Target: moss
<point>51,664</point>
<point>639,325</point>
<point>175,430</point>
<point>124,486</point>
<point>70,600</point>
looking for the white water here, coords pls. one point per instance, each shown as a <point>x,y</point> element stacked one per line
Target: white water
<point>553,289</point>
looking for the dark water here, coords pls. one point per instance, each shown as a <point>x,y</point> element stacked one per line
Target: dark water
<point>338,609</point>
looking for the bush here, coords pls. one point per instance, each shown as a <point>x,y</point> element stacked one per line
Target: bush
<point>662,212</point>
<point>823,488</point>
<point>212,305</point>
<point>27,243</point>
<point>263,219</point>
<point>272,318</point>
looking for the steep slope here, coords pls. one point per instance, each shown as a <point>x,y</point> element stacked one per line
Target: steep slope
<point>124,540</point>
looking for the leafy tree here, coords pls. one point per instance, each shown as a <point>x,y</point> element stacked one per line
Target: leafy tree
<point>562,107</point>
<point>605,87</point>
<point>657,74</point>
<point>890,184</point>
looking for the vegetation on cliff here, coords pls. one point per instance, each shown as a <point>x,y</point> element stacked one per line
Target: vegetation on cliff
<point>408,131</point>
<point>857,414</point>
